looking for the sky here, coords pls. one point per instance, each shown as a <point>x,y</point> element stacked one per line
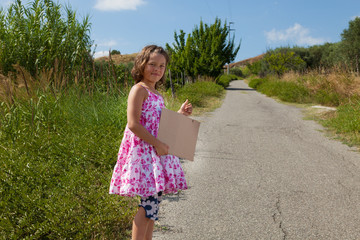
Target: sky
<point>129,25</point>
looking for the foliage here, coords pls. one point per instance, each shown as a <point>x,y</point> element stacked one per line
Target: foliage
<point>198,92</point>
<point>38,37</point>
<point>205,51</point>
<point>114,52</point>
<point>254,83</point>
<point>256,67</point>
<point>282,61</point>
<point>351,41</point>
<point>224,80</point>
<point>57,156</point>
<point>236,71</point>
<point>285,91</point>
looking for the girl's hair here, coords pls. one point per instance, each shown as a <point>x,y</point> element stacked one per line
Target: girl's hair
<point>142,59</point>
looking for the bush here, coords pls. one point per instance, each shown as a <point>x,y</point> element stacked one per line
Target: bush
<point>285,91</point>
<point>224,80</point>
<point>236,71</point>
<point>254,83</point>
<point>198,92</point>
<point>246,71</point>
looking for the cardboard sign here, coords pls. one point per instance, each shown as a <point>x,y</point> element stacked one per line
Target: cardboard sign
<point>179,132</point>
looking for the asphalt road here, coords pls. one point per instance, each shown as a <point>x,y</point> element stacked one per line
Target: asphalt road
<point>263,172</point>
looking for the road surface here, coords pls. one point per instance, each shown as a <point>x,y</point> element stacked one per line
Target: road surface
<point>263,172</point>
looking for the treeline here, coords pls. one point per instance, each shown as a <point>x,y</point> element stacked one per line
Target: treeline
<point>343,55</point>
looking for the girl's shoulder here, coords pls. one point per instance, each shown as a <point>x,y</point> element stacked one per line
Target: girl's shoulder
<point>138,91</point>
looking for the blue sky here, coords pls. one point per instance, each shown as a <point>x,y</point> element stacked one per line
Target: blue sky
<point>129,25</point>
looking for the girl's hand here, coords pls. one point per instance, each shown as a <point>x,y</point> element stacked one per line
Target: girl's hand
<point>162,149</point>
<point>186,108</point>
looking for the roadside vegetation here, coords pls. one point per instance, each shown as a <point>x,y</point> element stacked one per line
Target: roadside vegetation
<point>62,116</point>
<point>326,75</point>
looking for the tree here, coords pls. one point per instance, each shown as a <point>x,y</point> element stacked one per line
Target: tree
<point>351,42</point>
<point>283,61</point>
<point>205,51</point>
<point>114,52</point>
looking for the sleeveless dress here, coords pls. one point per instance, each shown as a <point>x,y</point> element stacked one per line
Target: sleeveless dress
<point>139,170</point>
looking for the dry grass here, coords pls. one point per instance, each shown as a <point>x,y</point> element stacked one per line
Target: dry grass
<point>119,59</point>
<point>343,83</point>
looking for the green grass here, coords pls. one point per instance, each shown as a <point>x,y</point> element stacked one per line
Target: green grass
<point>285,91</point>
<point>346,123</point>
<point>57,157</point>
<point>199,92</point>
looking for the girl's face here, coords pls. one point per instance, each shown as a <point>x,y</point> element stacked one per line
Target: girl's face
<point>154,68</point>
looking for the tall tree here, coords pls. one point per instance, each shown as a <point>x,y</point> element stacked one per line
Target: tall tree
<point>351,42</point>
<point>205,51</point>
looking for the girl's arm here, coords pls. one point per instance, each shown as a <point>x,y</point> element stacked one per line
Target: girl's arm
<point>186,108</point>
<point>136,98</point>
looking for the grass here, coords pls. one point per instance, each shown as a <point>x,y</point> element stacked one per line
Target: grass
<point>345,123</point>
<point>57,156</point>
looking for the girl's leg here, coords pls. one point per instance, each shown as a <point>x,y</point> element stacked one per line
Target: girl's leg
<point>149,230</point>
<point>140,225</point>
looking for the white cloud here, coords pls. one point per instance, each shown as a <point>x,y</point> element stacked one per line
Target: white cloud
<point>296,34</point>
<point>101,54</point>
<point>118,5</point>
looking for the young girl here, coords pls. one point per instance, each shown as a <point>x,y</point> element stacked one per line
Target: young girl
<point>143,167</point>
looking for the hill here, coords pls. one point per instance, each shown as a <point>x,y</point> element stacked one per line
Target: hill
<point>119,59</point>
<point>247,61</point>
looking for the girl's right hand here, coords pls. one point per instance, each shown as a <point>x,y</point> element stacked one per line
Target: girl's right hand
<point>162,149</point>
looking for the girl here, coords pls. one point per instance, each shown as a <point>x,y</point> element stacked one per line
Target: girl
<point>143,167</point>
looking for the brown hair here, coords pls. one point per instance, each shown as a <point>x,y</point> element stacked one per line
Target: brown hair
<point>141,60</point>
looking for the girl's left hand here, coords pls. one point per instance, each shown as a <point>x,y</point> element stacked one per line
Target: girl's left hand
<point>186,108</point>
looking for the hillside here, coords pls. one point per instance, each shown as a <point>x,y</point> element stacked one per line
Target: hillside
<point>119,59</point>
<point>247,61</point>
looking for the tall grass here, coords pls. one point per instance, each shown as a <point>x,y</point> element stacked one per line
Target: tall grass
<point>331,89</point>
<point>199,92</point>
<point>38,37</point>
<point>57,155</point>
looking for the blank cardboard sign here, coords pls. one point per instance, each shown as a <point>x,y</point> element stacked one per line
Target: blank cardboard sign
<point>179,132</point>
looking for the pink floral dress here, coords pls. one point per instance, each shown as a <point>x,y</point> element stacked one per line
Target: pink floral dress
<point>139,170</point>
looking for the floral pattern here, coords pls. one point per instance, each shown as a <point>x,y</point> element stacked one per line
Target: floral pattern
<point>139,170</point>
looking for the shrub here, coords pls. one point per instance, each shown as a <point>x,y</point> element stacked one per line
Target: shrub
<point>254,83</point>
<point>224,80</point>
<point>198,92</point>
<point>236,71</point>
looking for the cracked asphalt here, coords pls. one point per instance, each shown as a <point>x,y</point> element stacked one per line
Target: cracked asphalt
<point>263,172</point>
